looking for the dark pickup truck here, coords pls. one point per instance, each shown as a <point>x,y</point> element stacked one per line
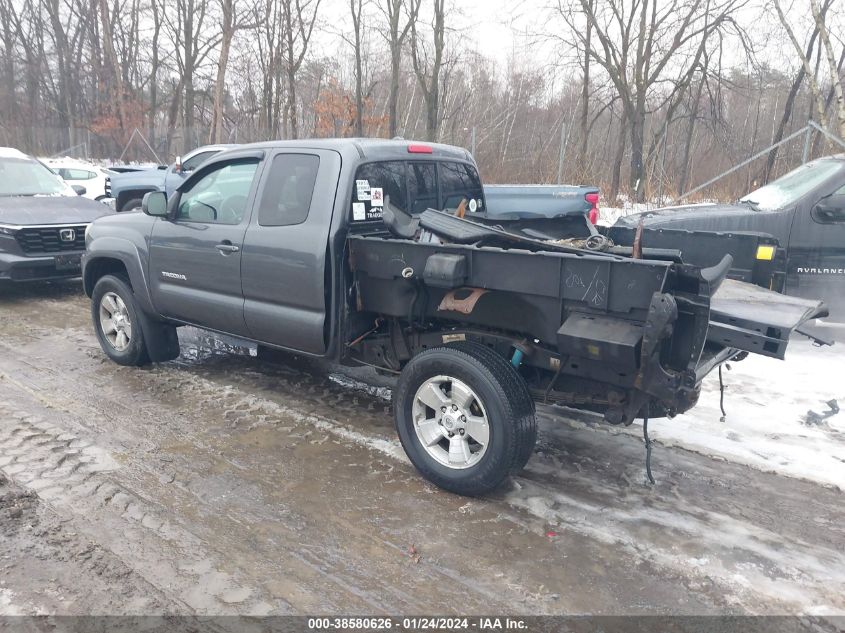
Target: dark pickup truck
<point>804,210</point>
<point>363,251</point>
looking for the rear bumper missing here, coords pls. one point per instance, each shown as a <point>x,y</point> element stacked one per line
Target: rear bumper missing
<point>757,320</point>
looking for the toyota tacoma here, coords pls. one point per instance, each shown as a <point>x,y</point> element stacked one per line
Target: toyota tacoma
<point>367,252</point>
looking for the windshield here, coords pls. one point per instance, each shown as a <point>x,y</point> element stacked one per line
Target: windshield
<point>790,188</point>
<point>27,177</point>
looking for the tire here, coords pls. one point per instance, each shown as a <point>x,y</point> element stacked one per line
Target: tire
<point>487,430</point>
<point>522,401</point>
<point>131,204</point>
<point>113,296</point>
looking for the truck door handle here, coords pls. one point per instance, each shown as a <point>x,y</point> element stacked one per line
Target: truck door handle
<point>227,247</point>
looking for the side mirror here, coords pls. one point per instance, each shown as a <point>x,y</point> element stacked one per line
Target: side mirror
<point>830,209</point>
<point>79,189</point>
<point>155,204</point>
<point>178,165</point>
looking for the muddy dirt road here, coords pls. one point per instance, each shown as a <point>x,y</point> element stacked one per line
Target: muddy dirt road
<point>221,484</point>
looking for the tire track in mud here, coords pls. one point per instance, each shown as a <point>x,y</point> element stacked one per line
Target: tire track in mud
<point>784,568</point>
<point>73,474</point>
<point>787,570</point>
<point>247,403</point>
<point>37,471</point>
<point>43,561</point>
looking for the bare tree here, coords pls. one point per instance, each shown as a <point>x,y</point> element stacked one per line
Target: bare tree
<point>233,19</point>
<point>809,71</point>
<point>189,32</point>
<point>637,44</point>
<point>789,104</point>
<point>833,69</point>
<point>116,84</point>
<point>397,31</point>
<point>269,52</point>
<point>585,101</point>
<point>154,64</point>
<point>7,31</point>
<point>298,20</point>
<point>428,65</point>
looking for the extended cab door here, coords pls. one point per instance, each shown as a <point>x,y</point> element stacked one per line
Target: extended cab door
<point>195,256</point>
<point>284,266</point>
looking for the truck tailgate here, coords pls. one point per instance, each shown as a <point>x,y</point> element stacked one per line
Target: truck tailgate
<point>753,319</point>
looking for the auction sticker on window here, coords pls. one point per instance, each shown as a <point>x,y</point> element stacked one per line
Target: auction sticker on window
<point>359,211</point>
<point>377,195</point>
<point>362,188</point>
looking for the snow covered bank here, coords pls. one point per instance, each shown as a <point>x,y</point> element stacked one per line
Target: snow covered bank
<point>768,424</point>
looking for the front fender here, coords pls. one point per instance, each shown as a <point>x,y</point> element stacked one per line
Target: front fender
<point>134,260</point>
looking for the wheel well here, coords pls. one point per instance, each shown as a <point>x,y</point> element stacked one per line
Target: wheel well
<point>100,267</point>
<point>125,196</point>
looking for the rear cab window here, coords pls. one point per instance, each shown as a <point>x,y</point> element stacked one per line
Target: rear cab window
<point>414,186</point>
<point>459,181</point>
<point>286,199</point>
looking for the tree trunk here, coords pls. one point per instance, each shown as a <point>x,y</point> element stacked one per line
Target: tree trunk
<point>115,70</point>
<point>10,105</point>
<point>216,132</point>
<point>188,140</point>
<point>585,108</point>
<point>393,99</point>
<point>293,127</point>
<point>430,83</point>
<point>154,71</point>
<point>356,10</point>
<point>617,161</point>
<point>636,178</point>
<point>690,132</point>
<point>835,79</point>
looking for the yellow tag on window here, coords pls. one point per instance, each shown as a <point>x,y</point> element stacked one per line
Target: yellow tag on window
<point>766,252</point>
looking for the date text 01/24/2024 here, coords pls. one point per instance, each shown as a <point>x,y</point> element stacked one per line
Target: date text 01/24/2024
<point>417,623</point>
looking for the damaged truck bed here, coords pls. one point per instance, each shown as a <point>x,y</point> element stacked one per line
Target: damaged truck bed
<point>604,332</point>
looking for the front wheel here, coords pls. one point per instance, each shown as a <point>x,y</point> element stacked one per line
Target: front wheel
<point>464,417</point>
<point>117,321</point>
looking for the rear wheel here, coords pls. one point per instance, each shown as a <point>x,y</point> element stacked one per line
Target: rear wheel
<point>117,322</point>
<point>464,417</point>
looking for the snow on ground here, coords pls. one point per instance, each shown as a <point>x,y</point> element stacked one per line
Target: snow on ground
<point>7,606</point>
<point>767,426</point>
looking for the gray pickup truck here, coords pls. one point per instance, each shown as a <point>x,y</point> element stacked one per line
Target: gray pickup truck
<point>367,252</point>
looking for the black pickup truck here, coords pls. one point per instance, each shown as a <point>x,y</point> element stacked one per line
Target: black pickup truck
<point>804,210</point>
<point>363,251</point>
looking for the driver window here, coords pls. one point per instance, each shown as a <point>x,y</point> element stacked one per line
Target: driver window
<point>831,208</point>
<point>220,195</point>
